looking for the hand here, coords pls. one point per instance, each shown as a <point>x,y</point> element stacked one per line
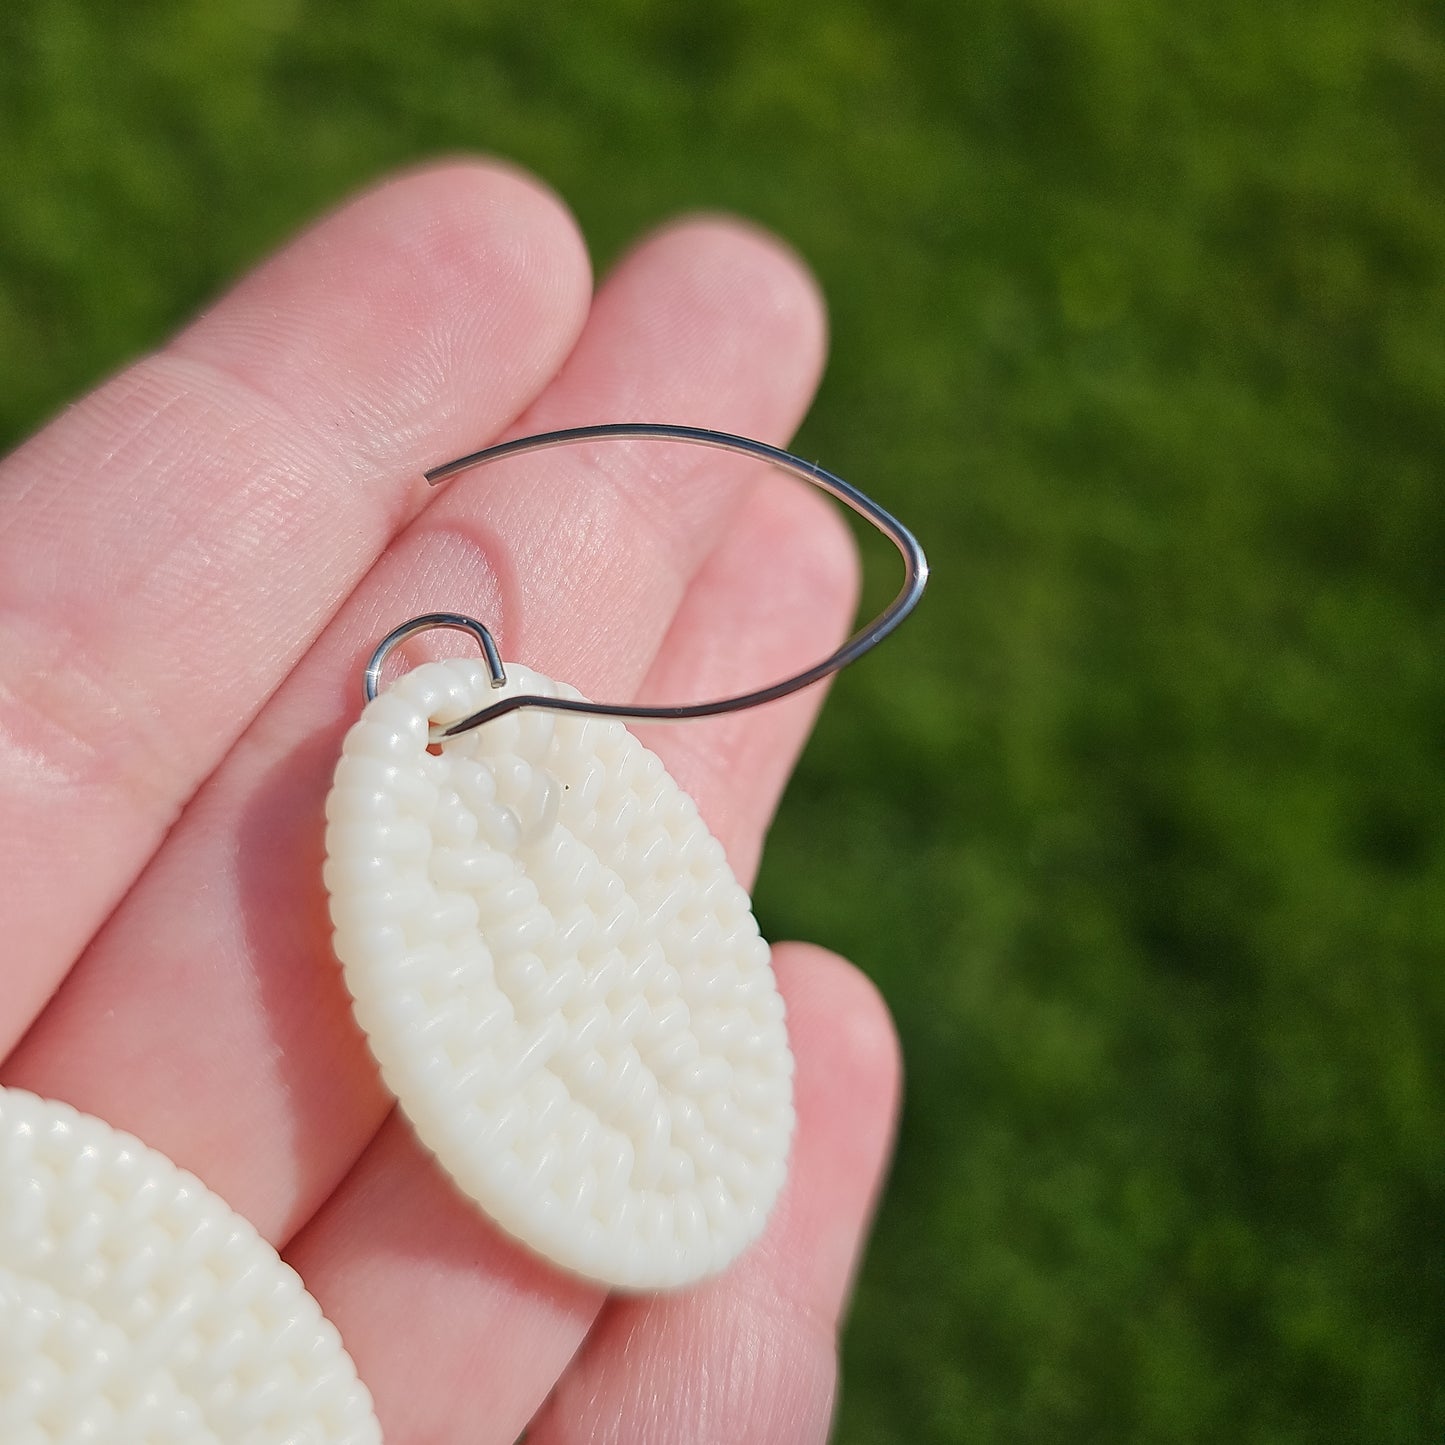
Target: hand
<point>195,560</point>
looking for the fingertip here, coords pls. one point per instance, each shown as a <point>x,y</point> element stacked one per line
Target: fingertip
<point>784,280</point>
<point>456,201</point>
<point>740,283</point>
<point>457,287</point>
<point>488,203</point>
<point>850,1041</point>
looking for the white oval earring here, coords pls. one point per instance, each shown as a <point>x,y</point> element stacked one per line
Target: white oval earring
<point>136,1305</point>
<point>558,974</point>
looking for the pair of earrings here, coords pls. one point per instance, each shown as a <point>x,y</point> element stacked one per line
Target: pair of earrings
<point>563,985</point>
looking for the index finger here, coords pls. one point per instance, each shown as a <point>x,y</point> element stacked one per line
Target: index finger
<point>151,598</point>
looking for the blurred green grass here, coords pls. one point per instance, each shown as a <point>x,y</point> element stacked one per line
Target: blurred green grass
<point>1138,316</point>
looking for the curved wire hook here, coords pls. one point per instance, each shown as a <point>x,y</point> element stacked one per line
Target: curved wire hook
<point>915,578</point>
<point>371,683</point>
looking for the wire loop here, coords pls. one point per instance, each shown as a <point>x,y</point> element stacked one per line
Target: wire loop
<point>915,579</point>
<point>371,683</point>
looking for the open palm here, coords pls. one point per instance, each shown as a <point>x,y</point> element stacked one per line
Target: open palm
<point>195,559</point>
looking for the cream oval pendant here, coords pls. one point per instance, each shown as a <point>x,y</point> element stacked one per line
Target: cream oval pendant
<point>136,1306</point>
<point>560,978</point>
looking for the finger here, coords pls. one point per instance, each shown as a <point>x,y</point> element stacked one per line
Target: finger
<point>458,1331</point>
<point>773,598</point>
<point>620,528</point>
<point>172,544</point>
<point>752,1355</point>
<point>209,1016</point>
<point>396,1229</point>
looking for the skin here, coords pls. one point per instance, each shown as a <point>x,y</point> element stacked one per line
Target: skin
<point>195,560</point>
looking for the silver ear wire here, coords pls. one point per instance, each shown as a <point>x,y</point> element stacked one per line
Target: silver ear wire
<point>915,577</point>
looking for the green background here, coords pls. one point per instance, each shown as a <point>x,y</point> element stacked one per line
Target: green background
<point>1138,315</point>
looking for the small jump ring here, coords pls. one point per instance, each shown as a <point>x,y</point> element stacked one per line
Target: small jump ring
<point>454,621</point>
